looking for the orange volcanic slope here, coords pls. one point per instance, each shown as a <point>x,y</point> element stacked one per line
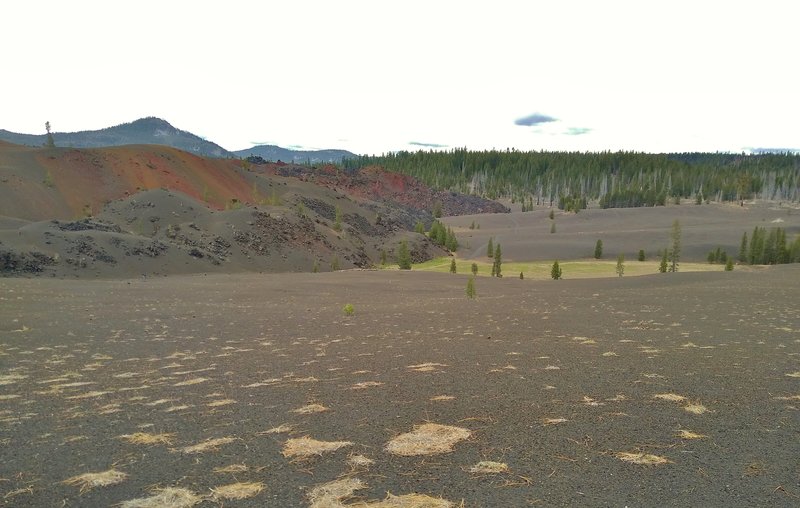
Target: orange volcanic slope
<point>63,183</point>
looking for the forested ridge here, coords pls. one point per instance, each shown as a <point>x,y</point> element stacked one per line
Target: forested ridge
<point>612,179</point>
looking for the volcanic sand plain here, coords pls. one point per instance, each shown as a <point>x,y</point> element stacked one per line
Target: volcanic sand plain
<point>257,390</point>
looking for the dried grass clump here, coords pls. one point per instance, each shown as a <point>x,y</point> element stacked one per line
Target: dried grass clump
<point>554,421</point>
<point>239,490</point>
<point>208,445</point>
<point>9,379</point>
<point>89,395</point>
<point>280,429</point>
<point>307,447</point>
<point>359,461</point>
<point>144,438</point>
<point>193,381</point>
<point>233,468</point>
<point>407,501</point>
<point>642,458</point>
<point>442,398</point>
<point>427,439</point>
<point>310,409</point>
<point>331,494</point>
<point>88,481</point>
<point>791,374</point>
<point>426,367</point>
<point>671,397</point>
<point>165,498</point>
<point>697,409</point>
<point>219,403</point>
<point>365,384</point>
<point>688,434</point>
<point>489,467</point>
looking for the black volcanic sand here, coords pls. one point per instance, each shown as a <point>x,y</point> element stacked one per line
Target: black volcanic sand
<point>520,358</point>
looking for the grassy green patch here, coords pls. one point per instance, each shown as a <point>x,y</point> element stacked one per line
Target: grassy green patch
<point>579,269</point>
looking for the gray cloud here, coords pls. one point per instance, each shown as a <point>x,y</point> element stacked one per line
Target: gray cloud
<point>534,119</point>
<point>577,131</point>
<point>427,145</point>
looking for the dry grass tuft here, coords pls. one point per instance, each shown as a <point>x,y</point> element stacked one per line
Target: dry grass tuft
<point>790,397</point>
<point>9,379</point>
<point>331,494</point>
<point>641,458</point>
<point>208,445</point>
<point>442,397</point>
<point>554,421</point>
<point>671,397</point>
<point>165,498</point>
<point>426,367</point>
<point>407,501</point>
<point>359,461</point>
<point>307,447</point>
<point>220,403</point>
<point>89,395</point>
<point>365,384</point>
<point>697,409</point>
<point>427,439</point>
<point>310,409</point>
<point>144,438</point>
<point>688,434</point>
<point>193,381</point>
<point>88,481</point>
<point>233,468</point>
<point>237,490</point>
<point>489,467</point>
<point>280,429</point>
<point>791,374</point>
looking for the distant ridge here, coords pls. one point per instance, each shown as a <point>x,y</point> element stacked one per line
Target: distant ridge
<point>145,131</point>
<point>275,153</point>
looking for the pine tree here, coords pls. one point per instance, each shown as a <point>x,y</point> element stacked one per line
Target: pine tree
<point>335,263</point>
<point>403,256</point>
<point>743,249</point>
<point>490,248</point>
<point>675,251</point>
<point>453,265</point>
<point>555,272</point>
<point>598,249</point>
<point>521,276</point>
<point>662,267</point>
<point>620,265</point>
<point>471,294</point>
<point>729,265</point>
<point>641,255</point>
<point>498,260</point>
<point>383,257</point>
<point>474,268</point>
<point>315,268</point>
<point>437,209</point>
<point>50,142</point>
<point>419,227</point>
<point>552,214</point>
<point>337,221</point>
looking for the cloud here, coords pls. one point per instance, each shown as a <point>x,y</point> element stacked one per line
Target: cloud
<point>534,119</point>
<point>427,145</point>
<point>577,131</point>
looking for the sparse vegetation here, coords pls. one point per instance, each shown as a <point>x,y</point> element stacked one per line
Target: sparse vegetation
<point>348,309</point>
<point>555,272</point>
<point>471,294</point>
<point>403,256</point>
<point>474,268</point>
<point>552,227</point>
<point>598,249</point>
<point>490,248</point>
<point>453,266</point>
<point>620,269</point>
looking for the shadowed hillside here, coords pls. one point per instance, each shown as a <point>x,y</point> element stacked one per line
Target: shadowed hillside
<point>140,209</point>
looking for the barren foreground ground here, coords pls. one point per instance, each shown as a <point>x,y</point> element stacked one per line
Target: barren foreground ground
<point>675,389</point>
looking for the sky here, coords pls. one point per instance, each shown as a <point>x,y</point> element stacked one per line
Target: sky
<point>378,76</point>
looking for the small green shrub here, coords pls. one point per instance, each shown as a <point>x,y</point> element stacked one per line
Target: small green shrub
<point>348,309</point>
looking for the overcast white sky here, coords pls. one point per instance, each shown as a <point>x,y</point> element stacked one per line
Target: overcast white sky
<point>375,76</point>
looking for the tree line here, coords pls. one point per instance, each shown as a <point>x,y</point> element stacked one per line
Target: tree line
<point>613,179</point>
